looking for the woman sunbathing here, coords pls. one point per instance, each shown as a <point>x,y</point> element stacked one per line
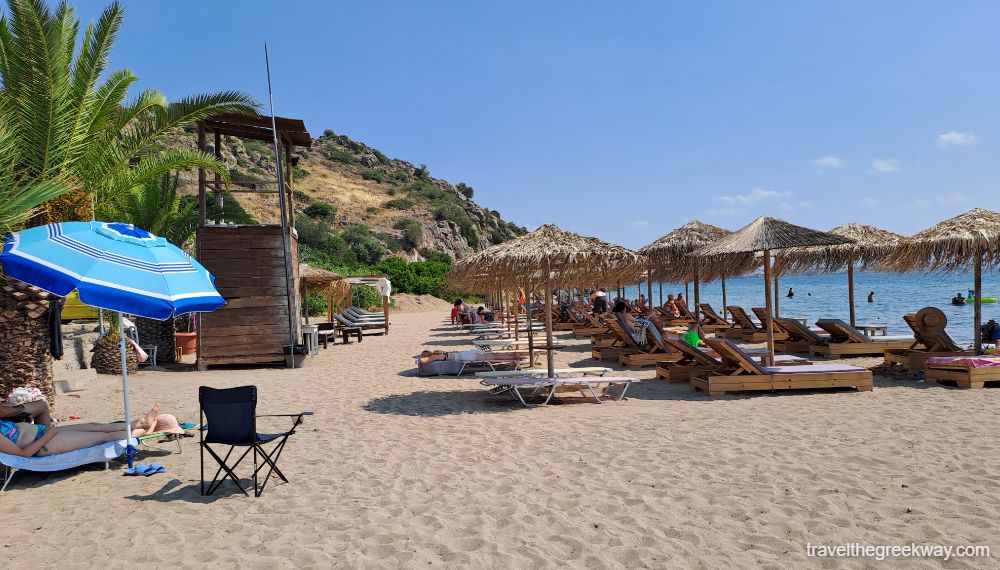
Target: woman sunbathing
<point>28,440</point>
<point>469,356</point>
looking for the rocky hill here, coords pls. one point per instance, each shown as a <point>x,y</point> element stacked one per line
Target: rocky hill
<point>343,183</point>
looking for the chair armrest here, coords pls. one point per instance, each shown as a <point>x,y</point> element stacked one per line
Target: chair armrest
<point>284,415</point>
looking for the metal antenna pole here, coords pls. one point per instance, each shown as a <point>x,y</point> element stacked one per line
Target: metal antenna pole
<point>292,313</point>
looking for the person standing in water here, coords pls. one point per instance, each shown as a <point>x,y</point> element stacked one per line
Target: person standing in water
<point>871,296</point>
<point>790,293</point>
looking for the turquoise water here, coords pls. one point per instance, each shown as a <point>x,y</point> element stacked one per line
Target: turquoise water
<point>825,296</point>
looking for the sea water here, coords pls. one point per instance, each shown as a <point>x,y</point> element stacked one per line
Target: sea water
<point>825,297</point>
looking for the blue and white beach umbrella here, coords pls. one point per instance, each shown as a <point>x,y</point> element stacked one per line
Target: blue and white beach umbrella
<point>112,266</point>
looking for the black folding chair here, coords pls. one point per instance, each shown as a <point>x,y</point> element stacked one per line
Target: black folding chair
<point>232,420</point>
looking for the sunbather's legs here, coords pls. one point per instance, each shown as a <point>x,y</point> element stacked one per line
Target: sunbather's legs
<point>139,427</point>
<point>70,440</point>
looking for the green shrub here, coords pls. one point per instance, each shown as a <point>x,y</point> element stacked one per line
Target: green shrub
<point>321,210</point>
<point>422,172</point>
<point>231,211</point>
<point>372,210</point>
<point>301,196</point>
<point>413,232</point>
<point>338,155</point>
<point>496,236</point>
<point>376,175</point>
<point>381,157</point>
<point>400,204</point>
<point>315,305</point>
<point>430,254</point>
<point>366,248</point>
<point>465,189</point>
<point>366,297</point>
<point>399,176</point>
<point>298,173</point>
<point>328,133</point>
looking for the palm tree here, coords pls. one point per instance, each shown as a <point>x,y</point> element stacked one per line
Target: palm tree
<point>65,114</point>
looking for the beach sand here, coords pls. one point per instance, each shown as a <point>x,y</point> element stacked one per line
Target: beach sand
<point>398,471</point>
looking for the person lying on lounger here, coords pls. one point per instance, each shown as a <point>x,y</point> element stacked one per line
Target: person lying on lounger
<point>469,356</point>
<point>30,440</point>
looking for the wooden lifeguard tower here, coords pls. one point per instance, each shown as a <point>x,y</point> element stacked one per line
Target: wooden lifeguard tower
<point>255,266</point>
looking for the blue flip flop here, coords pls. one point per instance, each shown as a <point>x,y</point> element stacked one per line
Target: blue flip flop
<point>154,469</point>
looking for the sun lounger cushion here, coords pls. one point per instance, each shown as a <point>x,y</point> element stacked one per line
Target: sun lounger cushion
<point>558,381</point>
<point>95,454</point>
<point>964,361</point>
<point>814,369</point>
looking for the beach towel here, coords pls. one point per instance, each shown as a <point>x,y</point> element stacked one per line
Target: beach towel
<point>970,361</point>
<point>95,454</point>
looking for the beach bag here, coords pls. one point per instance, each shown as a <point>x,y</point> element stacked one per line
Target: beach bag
<point>439,367</point>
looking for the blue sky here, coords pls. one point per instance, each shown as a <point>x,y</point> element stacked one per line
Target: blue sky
<point>626,120</point>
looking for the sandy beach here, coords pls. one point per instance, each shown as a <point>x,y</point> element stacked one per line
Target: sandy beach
<point>399,471</point>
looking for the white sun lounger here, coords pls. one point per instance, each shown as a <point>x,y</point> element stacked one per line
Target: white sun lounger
<point>542,372</point>
<point>103,452</point>
<point>501,344</point>
<point>536,386</point>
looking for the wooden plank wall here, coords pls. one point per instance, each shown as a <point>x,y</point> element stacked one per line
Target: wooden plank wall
<point>249,270</point>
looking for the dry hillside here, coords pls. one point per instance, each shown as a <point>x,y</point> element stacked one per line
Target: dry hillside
<point>404,206</point>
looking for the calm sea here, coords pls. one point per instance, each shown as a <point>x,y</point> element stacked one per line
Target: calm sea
<point>825,296</point>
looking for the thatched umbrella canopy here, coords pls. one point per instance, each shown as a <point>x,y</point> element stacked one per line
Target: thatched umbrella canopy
<point>320,280</point>
<point>870,247</point>
<point>551,257</point>
<point>668,258</point>
<point>968,240</point>
<point>765,234</point>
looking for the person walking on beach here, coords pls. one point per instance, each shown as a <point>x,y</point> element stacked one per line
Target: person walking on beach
<point>871,296</point>
<point>791,293</point>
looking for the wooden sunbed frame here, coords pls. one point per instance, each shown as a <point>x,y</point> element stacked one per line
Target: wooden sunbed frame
<point>695,362</point>
<point>779,332</point>
<point>621,345</point>
<point>799,338</point>
<point>846,340</point>
<point>915,359</point>
<point>740,372</point>
<point>964,376</point>
<point>658,351</point>
<point>745,328</point>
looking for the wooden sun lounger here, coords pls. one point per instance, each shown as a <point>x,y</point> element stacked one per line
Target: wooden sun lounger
<point>799,337</point>
<point>349,323</point>
<point>964,371</point>
<point>765,319</point>
<point>696,362</point>
<point>741,372</point>
<point>846,340</point>
<point>622,343</point>
<point>656,351</point>
<point>547,387</point>
<point>925,345</point>
<point>747,330</point>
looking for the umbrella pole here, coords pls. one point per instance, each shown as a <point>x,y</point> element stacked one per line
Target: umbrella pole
<point>649,289</point>
<point>724,309</point>
<point>661,293</point>
<point>767,304</point>
<point>777,292</point>
<point>129,450</point>
<point>548,322</point>
<point>697,299</point>
<point>850,288</point>
<point>531,336</point>
<point>977,334</point>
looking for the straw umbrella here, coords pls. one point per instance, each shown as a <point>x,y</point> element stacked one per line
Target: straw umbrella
<point>319,280</point>
<point>870,247</point>
<point>972,238</point>
<point>765,234</point>
<point>550,257</point>
<point>668,257</point>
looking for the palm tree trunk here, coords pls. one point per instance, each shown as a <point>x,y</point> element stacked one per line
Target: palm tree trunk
<point>159,334</point>
<point>25,359</point>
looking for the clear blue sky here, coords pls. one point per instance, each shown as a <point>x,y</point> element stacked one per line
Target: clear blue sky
<point>624,120</point>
